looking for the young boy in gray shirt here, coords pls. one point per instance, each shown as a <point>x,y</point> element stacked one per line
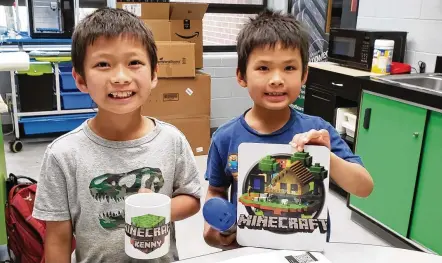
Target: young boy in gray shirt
<point>87,173</point>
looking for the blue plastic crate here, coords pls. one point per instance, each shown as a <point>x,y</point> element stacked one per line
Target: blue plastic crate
<point>76,100</point>
<point>53,124</point>
<point>67,82</point>
<point>65,67</point>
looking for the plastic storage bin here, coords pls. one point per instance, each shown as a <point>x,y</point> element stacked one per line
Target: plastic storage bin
<point>53,124</point>
<point>349,129</point>
<point>76,100</point>
<point>65,67</point>
<point>342,116</point>
<point>67,82</point>
<point>350,124</point>
<point>36,88</point>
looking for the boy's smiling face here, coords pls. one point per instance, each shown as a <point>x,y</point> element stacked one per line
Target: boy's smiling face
<point>118,75</point>
<point>273,76</point>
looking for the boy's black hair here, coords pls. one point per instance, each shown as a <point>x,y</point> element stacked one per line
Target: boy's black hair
<point>268,29</point>
<point>109,23</point>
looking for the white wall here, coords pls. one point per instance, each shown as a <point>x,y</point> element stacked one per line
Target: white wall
<point>278,5</point>
<point>229,99</point>
<point>422,19</point>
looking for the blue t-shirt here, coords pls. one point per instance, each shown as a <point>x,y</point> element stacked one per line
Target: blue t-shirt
<point>222,163</point>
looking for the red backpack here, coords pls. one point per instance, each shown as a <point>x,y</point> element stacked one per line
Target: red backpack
<point>26,234</point>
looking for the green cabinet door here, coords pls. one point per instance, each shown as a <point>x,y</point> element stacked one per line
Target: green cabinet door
<point>426,223</point>
<point>390,149</point>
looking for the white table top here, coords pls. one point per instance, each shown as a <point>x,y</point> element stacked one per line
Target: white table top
<point>333,67</point>
<point>337,253</point>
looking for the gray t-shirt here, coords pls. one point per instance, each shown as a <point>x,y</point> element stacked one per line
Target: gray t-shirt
<point>85,178</point>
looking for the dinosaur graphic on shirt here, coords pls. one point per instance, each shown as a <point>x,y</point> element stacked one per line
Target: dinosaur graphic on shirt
<point>114,188</point>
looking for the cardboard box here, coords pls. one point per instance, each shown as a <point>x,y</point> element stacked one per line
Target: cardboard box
<point>184,22</point>
<point>160,29</point>
<point>180,97</point>
<point>175,59</point>
<point>196,130</point>
<point>147,10</point>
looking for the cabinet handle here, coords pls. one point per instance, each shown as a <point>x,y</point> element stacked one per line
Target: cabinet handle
<point>416,134</point>
<point>337,84</point>
<point>314,96</point>
<point>367,116</point>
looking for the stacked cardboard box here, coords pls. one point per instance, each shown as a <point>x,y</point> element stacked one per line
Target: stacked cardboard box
<point>185,103</point>
<point>173,22</point>
<point>176,59</point>
<point>182,96</point>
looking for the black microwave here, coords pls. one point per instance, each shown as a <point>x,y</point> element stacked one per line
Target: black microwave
<point>354,47</point>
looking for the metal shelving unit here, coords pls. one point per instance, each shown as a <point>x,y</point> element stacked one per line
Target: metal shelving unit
<point>16,145</point>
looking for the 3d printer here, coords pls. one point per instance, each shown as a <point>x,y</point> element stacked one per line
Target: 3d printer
<point>51,18</point>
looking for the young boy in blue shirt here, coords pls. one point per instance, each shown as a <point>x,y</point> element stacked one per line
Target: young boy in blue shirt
<point>273,65</point>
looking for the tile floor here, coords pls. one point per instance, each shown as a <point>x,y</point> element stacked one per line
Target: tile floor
<point>189,231</point>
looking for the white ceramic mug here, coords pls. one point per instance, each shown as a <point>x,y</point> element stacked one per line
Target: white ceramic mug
<point>147,230</point>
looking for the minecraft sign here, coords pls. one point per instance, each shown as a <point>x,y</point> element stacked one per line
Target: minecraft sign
<point>282,196</point>
<point>282,224</point>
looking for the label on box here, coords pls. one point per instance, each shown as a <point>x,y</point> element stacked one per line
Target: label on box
<point>303,258</point>
<point>133,8</point>
<point>171,97</point>
<point>189,91</point>
<point>186,24</point>
<point>199,149</point>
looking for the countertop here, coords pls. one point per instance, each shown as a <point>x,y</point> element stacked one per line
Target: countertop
<point>370,82</point>
<point>418,97</point>
<point>333,67</point>
<point>336,253</point>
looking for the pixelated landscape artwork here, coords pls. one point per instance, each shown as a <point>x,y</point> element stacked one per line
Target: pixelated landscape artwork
<point>282,196</point>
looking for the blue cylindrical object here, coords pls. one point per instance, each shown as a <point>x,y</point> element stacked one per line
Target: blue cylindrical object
<point>220,214</point>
